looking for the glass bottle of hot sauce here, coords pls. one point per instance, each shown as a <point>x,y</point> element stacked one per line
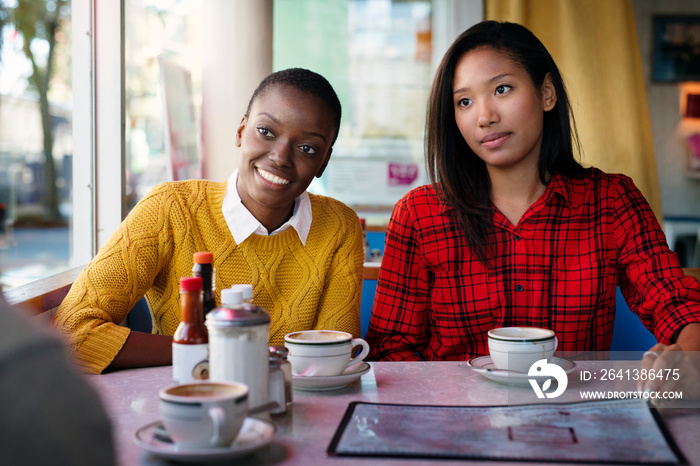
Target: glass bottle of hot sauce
<point>191,338</point>
<point>204,267</point>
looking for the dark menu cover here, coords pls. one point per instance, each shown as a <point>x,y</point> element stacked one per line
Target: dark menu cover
<point>608,431</point>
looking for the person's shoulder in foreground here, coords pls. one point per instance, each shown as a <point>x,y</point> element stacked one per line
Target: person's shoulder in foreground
<point>51,415</point>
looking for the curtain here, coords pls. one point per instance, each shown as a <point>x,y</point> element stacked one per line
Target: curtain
<point>594,43</point>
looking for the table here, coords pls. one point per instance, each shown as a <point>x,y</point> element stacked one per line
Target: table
<point>131,400</point>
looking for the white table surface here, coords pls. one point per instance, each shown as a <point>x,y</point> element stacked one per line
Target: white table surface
<point>131,400</point>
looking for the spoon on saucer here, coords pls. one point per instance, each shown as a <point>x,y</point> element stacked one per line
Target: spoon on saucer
<point>507,371</point>
<point>499,371</point>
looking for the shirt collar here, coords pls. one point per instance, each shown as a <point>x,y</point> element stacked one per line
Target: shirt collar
<point>242,223</point>
<point>558,185</point>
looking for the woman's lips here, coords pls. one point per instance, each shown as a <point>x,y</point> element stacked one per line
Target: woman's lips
<point>495,140</point>
<point>274,179</point>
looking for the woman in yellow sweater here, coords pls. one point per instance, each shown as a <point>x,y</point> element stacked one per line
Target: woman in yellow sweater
<point>302,252</point>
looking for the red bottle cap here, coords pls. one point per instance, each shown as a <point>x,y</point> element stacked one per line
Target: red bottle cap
<point>191,284</point>
<point>204,257</point>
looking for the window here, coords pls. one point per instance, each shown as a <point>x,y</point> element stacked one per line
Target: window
<point>377,55</point>
<point>163,94</point>
<point>36,144</point>
<point>124,58</point>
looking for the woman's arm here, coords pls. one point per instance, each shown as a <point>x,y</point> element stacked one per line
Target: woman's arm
<point>106,290</point>
<point>689,337</point>
<point>144,350</point>
<point>651,278</point>
<point>679,366</point>
<point>666,300</point>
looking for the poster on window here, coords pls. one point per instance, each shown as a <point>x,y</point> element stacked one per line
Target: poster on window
<point>182,141</point>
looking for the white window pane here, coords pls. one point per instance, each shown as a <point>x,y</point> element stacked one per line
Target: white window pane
<point>36,144</point>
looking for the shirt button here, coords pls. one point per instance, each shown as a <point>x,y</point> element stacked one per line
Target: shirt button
<point>516,238</point>
<point>519,288</point>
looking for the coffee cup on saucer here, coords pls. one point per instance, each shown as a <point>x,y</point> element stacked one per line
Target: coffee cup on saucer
<point>323,352</point>
<point>518,348</point>
<point>203,414</point>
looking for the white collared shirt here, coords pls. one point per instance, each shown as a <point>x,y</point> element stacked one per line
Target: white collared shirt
<point>242,223</point>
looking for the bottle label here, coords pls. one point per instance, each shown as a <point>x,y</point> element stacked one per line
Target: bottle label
<point>190,362</point>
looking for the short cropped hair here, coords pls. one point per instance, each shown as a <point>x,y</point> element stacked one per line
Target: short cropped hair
<point>307,81</point>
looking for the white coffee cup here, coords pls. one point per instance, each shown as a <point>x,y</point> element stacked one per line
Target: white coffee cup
<point>323,352</point>
<point>518,348</point>
<point>203,414</point>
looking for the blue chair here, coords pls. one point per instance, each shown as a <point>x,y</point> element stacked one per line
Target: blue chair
<point>139,318</point>
<point>629,333</point>
<point>369,283</point>
<point>369,286</point>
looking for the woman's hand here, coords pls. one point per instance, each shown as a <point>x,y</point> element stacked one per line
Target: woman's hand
<point>670,369</point>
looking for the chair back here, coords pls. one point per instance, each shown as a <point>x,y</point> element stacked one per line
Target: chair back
<point>40,298</point>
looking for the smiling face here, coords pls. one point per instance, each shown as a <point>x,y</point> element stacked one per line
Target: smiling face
<point>498,110</point>
<point>285,142</point>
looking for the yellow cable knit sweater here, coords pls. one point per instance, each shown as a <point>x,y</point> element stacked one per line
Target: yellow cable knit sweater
<point>316,286</point>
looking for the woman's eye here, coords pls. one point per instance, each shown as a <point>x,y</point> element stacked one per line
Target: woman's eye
<point>502,89</point>
<point>305,148</point>
<point>264,131</point>
<point>463,102</point>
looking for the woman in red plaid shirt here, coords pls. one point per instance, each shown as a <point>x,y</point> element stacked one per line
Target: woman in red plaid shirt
<point>513,231</point>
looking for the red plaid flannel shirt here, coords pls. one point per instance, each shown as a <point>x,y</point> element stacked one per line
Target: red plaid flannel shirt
<point>558,269</point>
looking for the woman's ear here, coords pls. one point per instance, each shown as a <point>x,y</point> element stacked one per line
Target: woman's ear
<point>549,93</point>
<point>239,131</point>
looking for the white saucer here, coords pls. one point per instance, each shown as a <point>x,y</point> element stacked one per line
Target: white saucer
<point>331,382</point>
<point>484,366</point>
<point>254,434</point>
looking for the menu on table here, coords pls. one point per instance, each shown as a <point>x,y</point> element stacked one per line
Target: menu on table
<point>608,431</point>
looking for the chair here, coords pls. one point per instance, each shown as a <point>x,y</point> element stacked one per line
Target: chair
<point>629,333</point>
<point>375,237</point>
<point>41,297</point>
<point>369,287</point>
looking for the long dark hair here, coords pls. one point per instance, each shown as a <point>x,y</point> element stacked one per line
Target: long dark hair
<point>457,173</point>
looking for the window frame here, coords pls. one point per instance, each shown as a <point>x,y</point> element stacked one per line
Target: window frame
<point>99,112</point>
<point>99,174</point>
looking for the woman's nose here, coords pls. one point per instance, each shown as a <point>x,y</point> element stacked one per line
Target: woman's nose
<point>281,154</point>
<point>487,113</point>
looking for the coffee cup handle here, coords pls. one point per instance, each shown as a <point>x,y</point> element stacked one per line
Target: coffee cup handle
<point>556,342</point>
<point>218,417</point>
<point>360,357</point>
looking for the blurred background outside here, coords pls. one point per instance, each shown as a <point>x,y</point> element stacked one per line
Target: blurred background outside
<point>378,54</point>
